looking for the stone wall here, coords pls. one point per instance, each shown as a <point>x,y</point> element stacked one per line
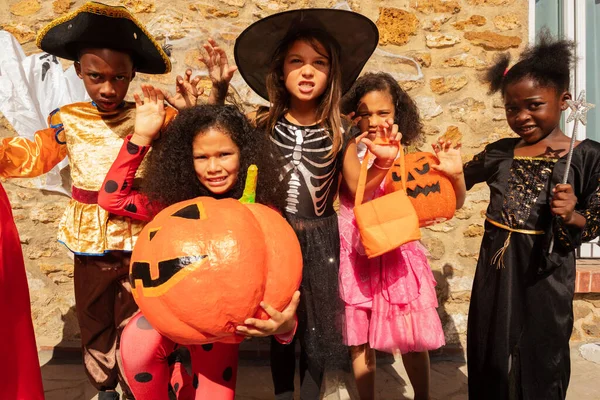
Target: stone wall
<point>435,48</point>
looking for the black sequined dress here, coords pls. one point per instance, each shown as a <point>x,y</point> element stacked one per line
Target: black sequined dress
<point>521,313</point>
<point>312,179</point>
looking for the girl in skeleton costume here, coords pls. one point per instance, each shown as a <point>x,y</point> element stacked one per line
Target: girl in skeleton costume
<point>302,61</point>
<point>390,301</point>
<point>205,152</point>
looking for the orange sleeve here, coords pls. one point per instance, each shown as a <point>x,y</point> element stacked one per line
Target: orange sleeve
<point>21,157</point>
<point>171,113</point>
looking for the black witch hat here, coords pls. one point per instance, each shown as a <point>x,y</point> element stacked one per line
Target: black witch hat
<point>102,26</point>
<point>356,35</point>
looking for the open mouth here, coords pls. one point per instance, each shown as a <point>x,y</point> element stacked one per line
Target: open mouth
<point>527,129</point>
<point>306,86</point>
<point>435,188</point>
<point>220,181</point>
<point>169,272</point>
<point>106,105</point>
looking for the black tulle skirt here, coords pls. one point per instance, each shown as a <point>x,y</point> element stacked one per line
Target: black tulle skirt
<point>321,310</point>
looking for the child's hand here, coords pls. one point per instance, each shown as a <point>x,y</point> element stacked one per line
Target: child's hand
<point>279,323</point>
<point>149,115</point>
<point>352,118</point>
<point>186,92</point>
<point>563,202</point>
<point>219,71</point>
<point>385,153</point>
<point>450,160</point>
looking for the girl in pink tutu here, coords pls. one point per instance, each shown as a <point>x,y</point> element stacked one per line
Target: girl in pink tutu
<point>390,301</point>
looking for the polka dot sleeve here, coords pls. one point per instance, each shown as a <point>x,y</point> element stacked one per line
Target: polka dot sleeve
<point>117,194</point>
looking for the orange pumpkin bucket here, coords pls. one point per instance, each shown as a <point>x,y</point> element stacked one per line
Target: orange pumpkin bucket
<point>430,191</point>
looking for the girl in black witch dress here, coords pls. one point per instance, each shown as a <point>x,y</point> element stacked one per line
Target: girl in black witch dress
<point>521,312</point>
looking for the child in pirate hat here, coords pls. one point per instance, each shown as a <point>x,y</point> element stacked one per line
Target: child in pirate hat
<point>109,46</point>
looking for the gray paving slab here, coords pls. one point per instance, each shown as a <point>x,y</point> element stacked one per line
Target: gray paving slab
<point>64,379</point>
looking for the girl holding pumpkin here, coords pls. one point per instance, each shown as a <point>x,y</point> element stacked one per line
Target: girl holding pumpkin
<point>521,311</point>
<point>206,152</point>
<point>301,62</point>
<point>390,300</point>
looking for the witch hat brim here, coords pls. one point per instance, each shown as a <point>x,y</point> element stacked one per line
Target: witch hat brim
<point>102,26</point>
<point>356,35</point>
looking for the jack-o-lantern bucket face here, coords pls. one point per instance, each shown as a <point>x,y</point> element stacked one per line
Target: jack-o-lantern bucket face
<point>431,192</point>
<point>200,268</point>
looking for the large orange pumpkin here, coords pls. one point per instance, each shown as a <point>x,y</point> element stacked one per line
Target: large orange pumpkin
<point>202,266</point>
<point>431,192</point>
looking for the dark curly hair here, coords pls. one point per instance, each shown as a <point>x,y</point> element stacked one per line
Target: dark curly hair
<point>406,113</point>
<point>170,176</point>
<point>549,63</point>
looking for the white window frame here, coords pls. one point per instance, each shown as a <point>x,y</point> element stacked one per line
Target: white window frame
<point>574,20</point>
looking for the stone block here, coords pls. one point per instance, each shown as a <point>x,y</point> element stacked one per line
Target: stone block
<point>474,20</point>
<point>235,3</point>
<point>435,247</point>
<point>216,12</point>
<point>493,41</point>
<point>441,40</point>
<point>465,109</point>
<point>140,6</point>
<point>507,22</point>
<point>61,6</point>
<point>450,83</point>
<point>581,309</point>
<point>453,133</point>
<point>431,130</point>
<point>490,2</point>
<point>396,26</point>
<point>422,57</point>
<point>465,60</point>
<point>435,24</point>
<point>444,227</point>
<point>428,108</point>
<point>270,5</point>
<point>411,84</point>
<point>25,8</point>
<point>437,6</point>
<point>474,230</point>
<point>21,32</point>
<point>592,328</point>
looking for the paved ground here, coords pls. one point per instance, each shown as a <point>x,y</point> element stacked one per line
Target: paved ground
<point>64,379</point>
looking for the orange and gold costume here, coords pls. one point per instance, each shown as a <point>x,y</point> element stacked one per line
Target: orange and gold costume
<point>92,140</point>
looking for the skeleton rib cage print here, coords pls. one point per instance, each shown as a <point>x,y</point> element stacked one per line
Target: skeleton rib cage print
<point>312,175</point>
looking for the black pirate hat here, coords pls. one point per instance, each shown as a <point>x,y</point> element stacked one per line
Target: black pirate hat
<point>356,35</point>
<point>103,26</point>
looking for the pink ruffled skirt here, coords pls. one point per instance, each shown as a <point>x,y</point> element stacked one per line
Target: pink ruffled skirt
<point>390,301</point>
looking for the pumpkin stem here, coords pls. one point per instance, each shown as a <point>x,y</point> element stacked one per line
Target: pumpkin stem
<point>249,195</point>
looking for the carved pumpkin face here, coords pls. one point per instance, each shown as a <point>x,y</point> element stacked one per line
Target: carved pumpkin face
<point>202,266</point>
<point>431,192</point>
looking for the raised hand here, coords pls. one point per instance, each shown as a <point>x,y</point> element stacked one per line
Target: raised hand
<point>187,91</point>
<point>219,71</point>
<point>385,146</point>
<point>149,115</point>
<point>450,159</point>
<point>279,323</point>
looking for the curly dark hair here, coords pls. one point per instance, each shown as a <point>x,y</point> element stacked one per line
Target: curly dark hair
<point>406,113</point>
<point>170,176</point>
<point>549,63</point>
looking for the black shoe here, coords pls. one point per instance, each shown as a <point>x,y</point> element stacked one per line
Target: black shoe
<point>108,395</point>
